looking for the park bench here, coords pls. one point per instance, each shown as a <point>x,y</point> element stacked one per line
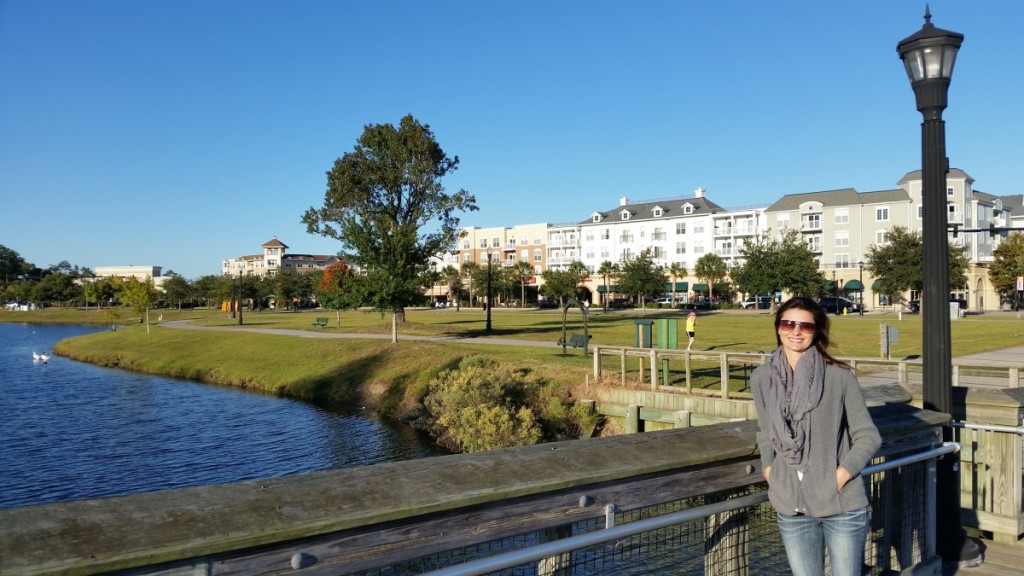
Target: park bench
<point>576,340</point>
<point>320,321</point>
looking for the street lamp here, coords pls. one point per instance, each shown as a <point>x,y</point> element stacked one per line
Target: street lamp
<point>860,268</point>
<point>489,295</point>
<point>929,55</point>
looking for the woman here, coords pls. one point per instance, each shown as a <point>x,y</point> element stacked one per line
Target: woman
<point>815,435</point>
<point>691,327</point>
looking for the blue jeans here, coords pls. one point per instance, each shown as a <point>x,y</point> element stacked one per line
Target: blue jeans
<point>843,534</point>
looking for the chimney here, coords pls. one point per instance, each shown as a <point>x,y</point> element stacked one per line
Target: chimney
<point>623,201</point>
<point>699,192</point>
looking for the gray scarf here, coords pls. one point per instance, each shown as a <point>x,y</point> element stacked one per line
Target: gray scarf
<point>794,393</point>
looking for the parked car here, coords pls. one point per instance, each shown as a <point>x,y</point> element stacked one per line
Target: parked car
<point>702,304</point>
<point>756,303</point>
<point>547,304</point>
<point>618,303</point>
<point>837,304</point>
<point>664,301</point>
<point>914,306</point>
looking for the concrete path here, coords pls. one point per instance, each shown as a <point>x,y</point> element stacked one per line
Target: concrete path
<point>186,324</point>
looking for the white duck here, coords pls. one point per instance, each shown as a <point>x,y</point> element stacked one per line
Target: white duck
<point>35,356</point>
<point>44,358</point>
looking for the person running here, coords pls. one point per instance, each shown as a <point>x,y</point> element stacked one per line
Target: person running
<point>691,328</point>
<point>815,436</point>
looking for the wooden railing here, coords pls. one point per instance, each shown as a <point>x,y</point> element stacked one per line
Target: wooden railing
<point>354,520</point>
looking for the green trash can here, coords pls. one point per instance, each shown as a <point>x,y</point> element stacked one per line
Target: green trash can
<point>668,333</point>
<point>643,330</point>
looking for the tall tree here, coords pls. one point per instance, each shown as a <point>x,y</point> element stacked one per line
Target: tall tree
<point>452,278</point>
<point>12,264</point>
<point>334,289</point>
<point>608,269</point>
<point>470,270</point>
<point>675,271</point>
<point>711,268</point>
<point>139,295</point>
<point>379,197</point>
<point>560,284</point>
<point>177,290</point>
<point>898,264</point>
<point>642,277</point>
<point>1007,265</point>
<point>524,272</point>
<point>778,263</point>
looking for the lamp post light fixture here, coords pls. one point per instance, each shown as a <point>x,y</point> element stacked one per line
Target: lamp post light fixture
<point>860,270</point>
<point>929,55</point>
<point>489,294</point>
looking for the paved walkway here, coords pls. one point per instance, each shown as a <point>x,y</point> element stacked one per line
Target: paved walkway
<point>186,324</point>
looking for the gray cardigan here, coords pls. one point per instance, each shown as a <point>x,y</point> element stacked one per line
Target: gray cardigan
<point>833,441</point>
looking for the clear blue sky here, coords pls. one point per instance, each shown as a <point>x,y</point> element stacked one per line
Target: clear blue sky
<point>179,133</point>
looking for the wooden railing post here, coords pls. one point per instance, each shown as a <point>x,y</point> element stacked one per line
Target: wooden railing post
<point>723,363</point>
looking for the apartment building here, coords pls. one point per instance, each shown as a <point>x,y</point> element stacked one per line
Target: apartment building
<point>273,257</point>
<point>839,226</point>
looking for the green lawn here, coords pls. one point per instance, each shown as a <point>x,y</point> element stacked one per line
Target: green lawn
<point>354,371</point>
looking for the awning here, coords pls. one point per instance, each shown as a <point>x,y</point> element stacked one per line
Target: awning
<point>854,285</point>
<point>876,285</point>
<point>601,289</point>
<point>700,287</point>
<point>680,286</point>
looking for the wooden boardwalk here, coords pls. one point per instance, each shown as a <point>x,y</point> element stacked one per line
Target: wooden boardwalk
<point>1000,560</point>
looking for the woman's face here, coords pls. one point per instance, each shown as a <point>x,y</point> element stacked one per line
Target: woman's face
<point>796,330</point>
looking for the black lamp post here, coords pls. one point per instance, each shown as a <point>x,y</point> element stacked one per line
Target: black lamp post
<point>860,270</point>
<point>929,55</point>
<point>239,297</point>
<point>489,295</point>
<point>233,291</point>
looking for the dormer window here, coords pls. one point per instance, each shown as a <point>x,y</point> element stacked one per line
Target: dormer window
<point>596,218</point>
<point>687,208</point>
<point>658,212</point>
<point>624,215</point>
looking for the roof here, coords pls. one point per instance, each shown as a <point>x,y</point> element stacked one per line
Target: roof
<point>953,173</point>
<point>841,197</point>
<point>671,208</point>
<point>274,243</point>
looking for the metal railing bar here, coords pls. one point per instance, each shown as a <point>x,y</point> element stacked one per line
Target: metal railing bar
<point>541,551</point>
<point>566,545</point>
<point>988,427</point>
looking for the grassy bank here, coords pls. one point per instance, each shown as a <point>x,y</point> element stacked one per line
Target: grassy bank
<point>332,372</point>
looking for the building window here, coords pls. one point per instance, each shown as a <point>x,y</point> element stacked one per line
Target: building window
<point>606,234</point>
<point>842,260</point>
<point>680,247</point>
<point>658,212</point>
<point>465,244</point>
<point>538,255</point>
<point>524,255</point>
<point>881,236</point>
<point>842,215</point>
<point>624,215</point>
<point>882,214</point>
<point>842,238</point>
<point>495,242</point>
<point>812,222</point>
<point>483,242</point>
<point>698,247</point>
<point>596,218</point>
<point>537,240</point>
<point>688,209</point>
<point>949,191</point>
<point>814,244</point>
<point>680,227</point>
<point>920,211</point>
<point>698,228</point>
<point>782,220</point>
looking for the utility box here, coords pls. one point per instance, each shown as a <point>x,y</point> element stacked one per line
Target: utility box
<point>643,329</point>
<point>668,333</point>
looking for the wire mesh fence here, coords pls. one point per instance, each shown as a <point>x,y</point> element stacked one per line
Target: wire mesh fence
<point>736,541</point>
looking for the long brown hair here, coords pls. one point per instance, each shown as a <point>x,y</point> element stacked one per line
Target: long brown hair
<point>821,323</point>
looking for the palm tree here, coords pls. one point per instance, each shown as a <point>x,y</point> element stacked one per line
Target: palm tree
<point>608,268</point>
<point>675,270</point>
<point>711,268</point>
<point>469,270</point>
<point>453,279</point>
<point>580,272</point>
<point>524,271</point>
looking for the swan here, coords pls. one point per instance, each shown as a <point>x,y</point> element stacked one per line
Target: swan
<point>44,358</point>
<point>35,356</point>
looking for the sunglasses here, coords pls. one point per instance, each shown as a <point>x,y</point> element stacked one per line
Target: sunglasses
<point>790,325</point>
